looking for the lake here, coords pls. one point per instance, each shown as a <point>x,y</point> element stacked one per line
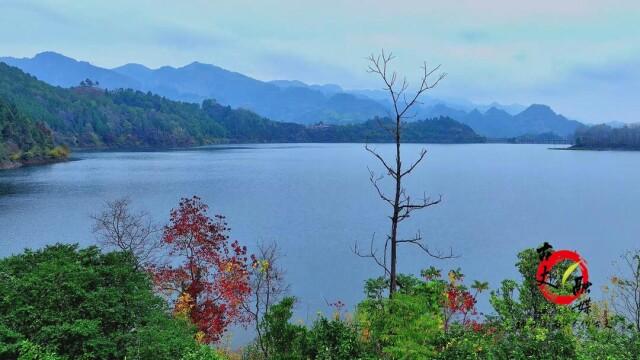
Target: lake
<point>316,201</point>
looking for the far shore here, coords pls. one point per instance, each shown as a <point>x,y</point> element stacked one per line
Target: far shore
<point>589,148</point>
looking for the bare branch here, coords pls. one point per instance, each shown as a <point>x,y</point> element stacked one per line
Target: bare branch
<point>417,241</point>
<point>372,254</point>
<point>118,227</point>
<point>424,86</point>
<point>423,153</point>
<point>267,287</point>
<point>379,157</point>
<point>407,207</point>
<point>374,180</point>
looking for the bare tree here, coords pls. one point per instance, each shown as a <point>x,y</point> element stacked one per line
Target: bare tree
<point>401,203</point>
<point>119,228</point>
<point>267,287</point>
<point>626,290</point>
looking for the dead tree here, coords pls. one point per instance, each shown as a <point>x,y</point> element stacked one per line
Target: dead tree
<point>267,287</point>
<point>117,227</point>
<point>626,290</point>
<point>401,203</point>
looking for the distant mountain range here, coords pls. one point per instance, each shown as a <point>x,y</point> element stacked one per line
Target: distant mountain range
<point>197,82</point>
<point>290,100</point>
<point>497,123</point>
<point>35,116</point>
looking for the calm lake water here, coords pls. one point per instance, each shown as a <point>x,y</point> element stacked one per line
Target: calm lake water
<point>316,202</point>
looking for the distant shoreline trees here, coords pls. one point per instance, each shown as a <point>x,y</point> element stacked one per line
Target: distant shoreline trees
<point>606,137</point>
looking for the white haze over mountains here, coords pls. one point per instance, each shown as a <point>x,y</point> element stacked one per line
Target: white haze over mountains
<point>579,57</point>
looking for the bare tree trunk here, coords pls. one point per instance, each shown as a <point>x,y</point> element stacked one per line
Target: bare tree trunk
<point>396,211</point>
<point>401,203</point>
<point>267,287</point>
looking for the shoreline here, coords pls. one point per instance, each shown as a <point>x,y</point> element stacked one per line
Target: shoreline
<point>582,148</point>
<point>12,165</point>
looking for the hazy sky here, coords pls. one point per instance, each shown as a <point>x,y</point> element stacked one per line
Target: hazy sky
<point>582,57</point>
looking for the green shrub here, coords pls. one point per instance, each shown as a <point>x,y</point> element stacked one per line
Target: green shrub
<point>203,352</point>
<point>82,304</point>
<point>31,351</point>
<point>59,152</point>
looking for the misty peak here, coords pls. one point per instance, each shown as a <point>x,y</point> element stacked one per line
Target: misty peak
<point>133,66</point>
<point>51,56</point>
<point>198,65</point>
<point>494,111</point>
<point>475,112</point>
<point>539,109</point>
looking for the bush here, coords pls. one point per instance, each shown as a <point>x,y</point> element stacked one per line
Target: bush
<point>59,152</point>
<point>203,352</point>
<point>31,351</point>
<point>82,304</point>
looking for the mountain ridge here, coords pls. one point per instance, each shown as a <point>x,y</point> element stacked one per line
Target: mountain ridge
<point>289,100</point>
<point>90,117</point>
<point>536,119</point>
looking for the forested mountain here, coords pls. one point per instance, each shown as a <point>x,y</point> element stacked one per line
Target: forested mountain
<point>197,82</point>
<point>90,117</point>
<point>59,70</point>
<point>605,137</point>
<point>290,100</point>
<point>23,140</point>
<point>437,130</point>
<point>300,104</point>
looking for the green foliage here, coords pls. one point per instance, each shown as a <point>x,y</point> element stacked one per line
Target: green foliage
<point>438,130</point>
<point>59,152</point>
<point>86,116</point>
<point>528,325</point>
<point>9,340</point>
<point>327,339</point>
<point>31,351</point>
<point>161,337</point>
<point>202,352</point>
<point>602,336</point>
<point>82,304</point>
<point>283,339</point>
<point>22,139</point>
<point>462,342</point>
<point>407,325</point>
<point>333,339</point>
<point>63,303</point>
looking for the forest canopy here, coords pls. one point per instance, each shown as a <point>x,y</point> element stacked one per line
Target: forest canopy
<point>89,117</point>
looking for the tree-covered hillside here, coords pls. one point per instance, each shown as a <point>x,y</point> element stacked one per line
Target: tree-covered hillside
<point>23,140</point>
<point>244,126</point>
<point>437,130</point>
<point>89,117</point>
<point>197,82</point>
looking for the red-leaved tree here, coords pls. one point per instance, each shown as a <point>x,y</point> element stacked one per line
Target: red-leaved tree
<point>211,281</point>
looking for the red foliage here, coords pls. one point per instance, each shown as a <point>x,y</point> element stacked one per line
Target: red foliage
<point>460,304</point>
<point>460,301</point>
<point>211,281</point>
